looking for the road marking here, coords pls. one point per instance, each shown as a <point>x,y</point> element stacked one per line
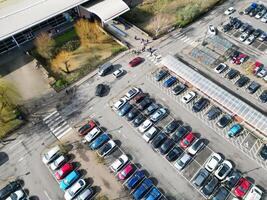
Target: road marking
<point>21,159</point>
<point>46,194</point>
<point>11,147</point>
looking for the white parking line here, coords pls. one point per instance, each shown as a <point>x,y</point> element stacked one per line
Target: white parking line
<point>46,194</point>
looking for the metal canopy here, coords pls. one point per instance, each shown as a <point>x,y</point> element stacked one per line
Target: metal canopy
<point>230,102</point>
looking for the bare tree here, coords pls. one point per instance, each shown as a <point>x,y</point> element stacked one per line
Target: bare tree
<point>63,62</point>
<point>45,45</point>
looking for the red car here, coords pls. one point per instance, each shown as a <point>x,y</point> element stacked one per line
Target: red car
<point>138,98</point>
<point>187,140</point>
<point>257,67</point>
<point>136,61</point>
<point>126,172</point>
<point>63,171</point>
<point>240,59</point>
<point>86,128</point>
<point>242,187</point>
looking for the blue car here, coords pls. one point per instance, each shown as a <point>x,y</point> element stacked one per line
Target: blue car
<point>142,189</point>
<point>235,130</point>
<point>69,180</point>
<point>125,109</point>
<point>99,141</point>
<point>154,194</point>
<point>169,82</point>
<point>135,179</point>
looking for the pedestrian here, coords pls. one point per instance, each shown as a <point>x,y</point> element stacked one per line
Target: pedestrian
<point>147,41</point>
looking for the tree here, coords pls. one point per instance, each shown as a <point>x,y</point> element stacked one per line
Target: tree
<point>45,45</point>
<point>88,32</point>
<point>63,61</point>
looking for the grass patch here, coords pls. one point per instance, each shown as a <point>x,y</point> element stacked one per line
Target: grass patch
<point>65,37</point>
<point>102,197</point>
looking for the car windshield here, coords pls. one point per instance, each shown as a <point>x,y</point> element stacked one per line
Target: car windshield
<point>223,170</point>
<point>186,142</point>
<point>107,147</point>
<point>14,196</point>
<point>242,189</point>
<point>60,172</point>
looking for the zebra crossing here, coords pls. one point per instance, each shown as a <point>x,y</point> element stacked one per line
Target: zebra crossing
<point>184,38</point>
<point>57,125</point>
<point>154,57</point>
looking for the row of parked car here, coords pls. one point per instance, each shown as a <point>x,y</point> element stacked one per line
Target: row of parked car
<point>13,191</point>
<point>216,170</point>
<point>137,182</point>
<point>259,11</point>
<point>69,178</point>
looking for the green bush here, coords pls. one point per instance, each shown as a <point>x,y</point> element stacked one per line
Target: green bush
<point>60,84</point>
<point>187,14</point>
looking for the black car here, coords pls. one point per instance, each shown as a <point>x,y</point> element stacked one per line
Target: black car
<point>259,8</point>
<point>221,194</point>
<point>145,103</point>
<point>151,109</point>
<point>9,188</point>
<point>200,104</point>
<point>213,112</point>
<point>104,149</point>
<point>180,133</point>
<point>263,96</point>
<point>234,54</point>
<point>253,87</point>
<point>244,27</point>
<point>243,80</point>
<point>253,12</point>
<point>249,30</point>
<point>233,20</point>
<point>224,121</point>
<point>166,146</point>
<point>171,127</point>
<point>227,27</point>
<point>161,74</point>
<point>100,90</point>
<point>158,140</point>
<point>174,154</point>
<point>132,114</point>
<point>257,32</point>
<point>178,89</point>
<point>232,74</point>
<point>248,10</point>
<point>263,152</point>
<point>138,120</point>
<point>238,24</point>
<point>210,186</point>
<point>232,179</point>
<point>201,177</point>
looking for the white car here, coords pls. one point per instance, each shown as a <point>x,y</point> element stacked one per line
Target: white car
<point>92,134</point>
<point>145,126</point>
<point>212,30</point>
<point>85,194</point>
<point>106,148</point>
<point>58,162</point>
<point>243,37</point>
<point>212,163</point>
<point>250,39</point>
<point>220,68</point>
<point>224,169</point>
<point>188,97</point>
<point>17,195</point>
<point>150,133</point>
<point>119,163</point>
<point>229,11</point>
<point>118,73</point>
<point>264,18</point>
<point>132,93</point>
<point>254,193</point>
<point>196,146</point>
<point>74,189</point>
<point>159,114</point>
<point>51,155</point>
<point>262,73</point>
<point>119,104</point>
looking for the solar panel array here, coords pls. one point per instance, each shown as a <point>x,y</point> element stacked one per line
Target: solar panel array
<point>230,102</point>
<point>202,57</point>
<point>219,43</point>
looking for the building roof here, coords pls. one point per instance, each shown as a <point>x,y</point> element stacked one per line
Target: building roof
<point>234,105</point>
<point>16,16</point>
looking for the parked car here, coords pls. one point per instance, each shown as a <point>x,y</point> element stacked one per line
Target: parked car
<point>214,160</point>
<point>119,104</point>
<point>86,127</point>
<point>17,195</point>
<point>262,37</point>
<point>196,146</point>
<point>180,133</point>
<point>229,11</point>
<point>58,162</point>
<point>174,153</point>
<point>158,115</point>
<point>69,180</point>
<point>118,73</point>
<point>212,30</point>
<point>145,103</point>
<point>242,187</point>
<point>86,194</point>
<point>189,96</point>
<point>263,96</point>
<point>92,134</point>
<point>64,171</point>
<point>125,109</point>
<point>200,104</point>
<point>154,194</point>
<point>232,73</point>
<point>227,27</point>
<point>169,82</point>
<point>187,140</point>
<point>250,8</point>
<point>99,141</point>
<point>132,114</point>
<point>257,33</point>
<point>140,191</point>
<point>220,68</point>
<point>244,27</point>
<point>240,59</point>
<point>158,140</point>
<point>132,93</point>
<point>9,188</point>
<point>75,189</point>
<point>126,172</point>
<point>235,130</point>
<point>105,69</point>
<point>51,155</point>
<point>255,193</point>
<point>213,113</point>
<point>100,90</point>
<point>138,98</point>
<point>232,179</point>
<point>136,61</point>
<point>106,148</point>
<point>221,194</point>
<point>161,74</point>
<point>262,73</point>
<point>178,89</point>
<point>253,87</point>
<point>201,177</point>
<point>133,181</point>
<point>224,120</point>
<point>242,38</point>
<point>181,163</point>
<point>151,109</point>
<point>150,133</point>
<point>233,20</point>
<point>119,163</point>
<point>263,152</point>
<point>166,146</point>
<point>223,170</point>
<point>138,120</point>
<point>264,18</point>
<point>250,39</point>
<point>145,126</point>
<point>238,24</point>
<point>211,184</point>
<point>171,127</point>
<point>260,14</point>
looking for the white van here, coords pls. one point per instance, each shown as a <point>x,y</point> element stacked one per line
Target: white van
<point>254,193</point>
<point>150,134</point>
<point>105,68</point>
<point>51,155</point>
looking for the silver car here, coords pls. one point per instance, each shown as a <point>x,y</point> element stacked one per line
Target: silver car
<point>86,194</point>
<point>159,114</point>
